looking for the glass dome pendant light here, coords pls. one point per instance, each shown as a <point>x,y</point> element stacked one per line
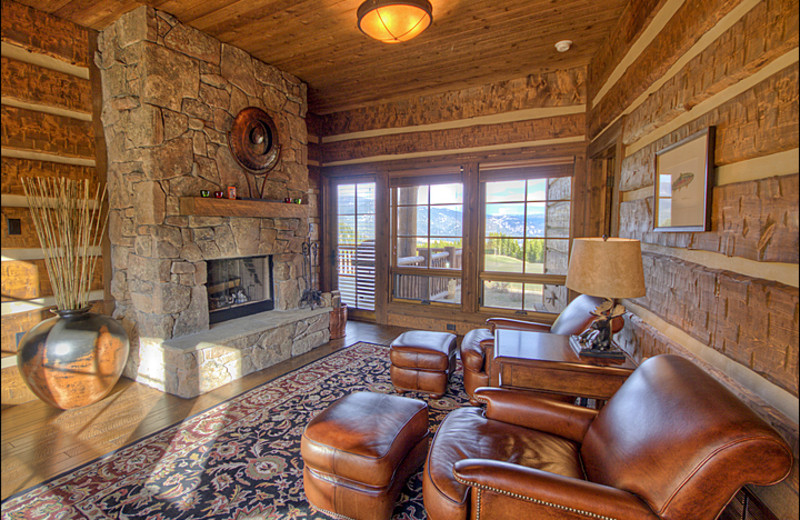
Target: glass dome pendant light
<point>394,21</point>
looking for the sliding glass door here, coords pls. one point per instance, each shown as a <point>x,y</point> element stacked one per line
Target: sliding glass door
<point>355,235</point>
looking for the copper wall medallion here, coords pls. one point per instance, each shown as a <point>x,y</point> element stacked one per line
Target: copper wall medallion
<point>253,141</point>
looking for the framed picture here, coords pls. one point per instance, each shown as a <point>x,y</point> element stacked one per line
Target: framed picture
<point>683,184</point>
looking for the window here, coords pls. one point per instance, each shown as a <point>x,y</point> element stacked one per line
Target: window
<point>355,224</point>
<point>427,230</point>
<point>525,249</point>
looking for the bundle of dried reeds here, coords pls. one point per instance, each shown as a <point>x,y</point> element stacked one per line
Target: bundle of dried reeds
<point>70,225</point>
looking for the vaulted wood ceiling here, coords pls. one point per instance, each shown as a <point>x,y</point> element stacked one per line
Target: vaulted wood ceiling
<point>471,42</point>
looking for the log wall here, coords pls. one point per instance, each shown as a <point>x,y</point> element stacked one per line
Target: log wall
<point>47,131</point>
<point>727,298</point>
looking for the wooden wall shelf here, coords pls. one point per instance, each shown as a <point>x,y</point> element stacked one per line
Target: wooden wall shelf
<point>208,207</point>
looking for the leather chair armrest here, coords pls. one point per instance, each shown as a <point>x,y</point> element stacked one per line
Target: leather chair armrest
<point>508,323</point>
<point>535,412</point>
<point>473,357</point>
<point>474,348</point>
<point>513,491</point>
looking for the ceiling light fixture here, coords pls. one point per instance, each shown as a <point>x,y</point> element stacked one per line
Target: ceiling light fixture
<point>394,21</point>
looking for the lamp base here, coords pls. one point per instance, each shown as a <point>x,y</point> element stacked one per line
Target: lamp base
<point>606,354</point>
<point>581,349</point>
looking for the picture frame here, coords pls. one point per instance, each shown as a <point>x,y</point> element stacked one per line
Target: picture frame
<point>682,185</point>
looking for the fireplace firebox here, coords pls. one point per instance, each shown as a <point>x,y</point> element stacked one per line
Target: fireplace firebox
<point>239,287</point>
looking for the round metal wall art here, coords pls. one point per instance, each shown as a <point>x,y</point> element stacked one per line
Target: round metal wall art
<point>253,141</point>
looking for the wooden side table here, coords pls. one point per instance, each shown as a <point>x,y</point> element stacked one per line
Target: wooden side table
<point>546,362</point>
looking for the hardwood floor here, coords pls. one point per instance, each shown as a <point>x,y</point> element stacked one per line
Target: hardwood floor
<point>40,442</point>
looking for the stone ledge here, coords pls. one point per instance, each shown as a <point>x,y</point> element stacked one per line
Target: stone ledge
<point>231,330</point>
<point>198,363</point>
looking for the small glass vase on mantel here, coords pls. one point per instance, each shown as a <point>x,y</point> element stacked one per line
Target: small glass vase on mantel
<point>75,358</point>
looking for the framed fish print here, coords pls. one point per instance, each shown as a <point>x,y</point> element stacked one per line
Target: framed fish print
<point>683,184</point>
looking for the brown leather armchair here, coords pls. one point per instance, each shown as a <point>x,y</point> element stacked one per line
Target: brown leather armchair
<point>672,443</point>
<point>476,347</point>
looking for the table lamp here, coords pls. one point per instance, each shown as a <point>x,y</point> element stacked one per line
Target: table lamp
<point>610,268</point>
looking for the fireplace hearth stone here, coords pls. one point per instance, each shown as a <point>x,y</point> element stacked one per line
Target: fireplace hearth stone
<point>194,364</point>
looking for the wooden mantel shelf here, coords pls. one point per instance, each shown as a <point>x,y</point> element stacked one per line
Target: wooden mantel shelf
<point>208,207</point>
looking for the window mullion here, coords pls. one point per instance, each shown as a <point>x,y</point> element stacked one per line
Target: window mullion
<point>428,261</point>
<point>524,237</point>
<point>355,240</point>
<point>546,220</point>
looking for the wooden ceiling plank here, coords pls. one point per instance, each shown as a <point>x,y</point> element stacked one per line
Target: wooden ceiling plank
<point>464,69</point>
<point>452,56</point>
<point>244,15</point>
<point>94,14</point>
<point>464,27</point>
<point>187,12</point>
<point>346,23</point>
<point>470,43</point>
<point>466,42</point>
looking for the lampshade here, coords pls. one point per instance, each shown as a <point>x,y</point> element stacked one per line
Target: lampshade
<point>608,268</point>
<point>394,21</point>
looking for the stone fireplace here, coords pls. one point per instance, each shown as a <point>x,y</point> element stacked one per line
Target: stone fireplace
<point>170,94</point>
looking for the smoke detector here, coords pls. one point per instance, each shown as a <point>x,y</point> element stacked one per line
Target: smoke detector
<point>563,45</point>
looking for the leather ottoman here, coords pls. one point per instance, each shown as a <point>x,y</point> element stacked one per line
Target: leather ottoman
<point>422,361</point>
<point>360,451</point>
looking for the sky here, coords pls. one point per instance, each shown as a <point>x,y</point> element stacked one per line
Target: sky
<point>498,191</point>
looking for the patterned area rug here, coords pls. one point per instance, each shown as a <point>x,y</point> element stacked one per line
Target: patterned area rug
<point>237,461</point>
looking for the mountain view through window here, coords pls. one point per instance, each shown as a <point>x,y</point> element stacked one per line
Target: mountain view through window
<point>428,229</point>
<point>525,243</point>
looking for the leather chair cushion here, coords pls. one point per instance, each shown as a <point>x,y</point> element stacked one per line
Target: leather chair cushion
<point>364,436</point>
<point>423,350</point>
<point>466,433</point>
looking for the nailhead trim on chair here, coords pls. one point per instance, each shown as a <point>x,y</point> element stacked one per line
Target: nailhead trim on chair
<point>529,499</point>
<point>331,513</point>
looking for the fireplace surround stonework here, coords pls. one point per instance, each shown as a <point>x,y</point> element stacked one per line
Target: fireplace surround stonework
<point>170,94</point>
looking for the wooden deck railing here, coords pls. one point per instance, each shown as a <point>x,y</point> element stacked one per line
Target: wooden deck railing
<point>427,287</point>
<point>356,267</point>
<point>357,274</point>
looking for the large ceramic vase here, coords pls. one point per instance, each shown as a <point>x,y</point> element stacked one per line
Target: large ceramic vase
<point>74,359</point>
